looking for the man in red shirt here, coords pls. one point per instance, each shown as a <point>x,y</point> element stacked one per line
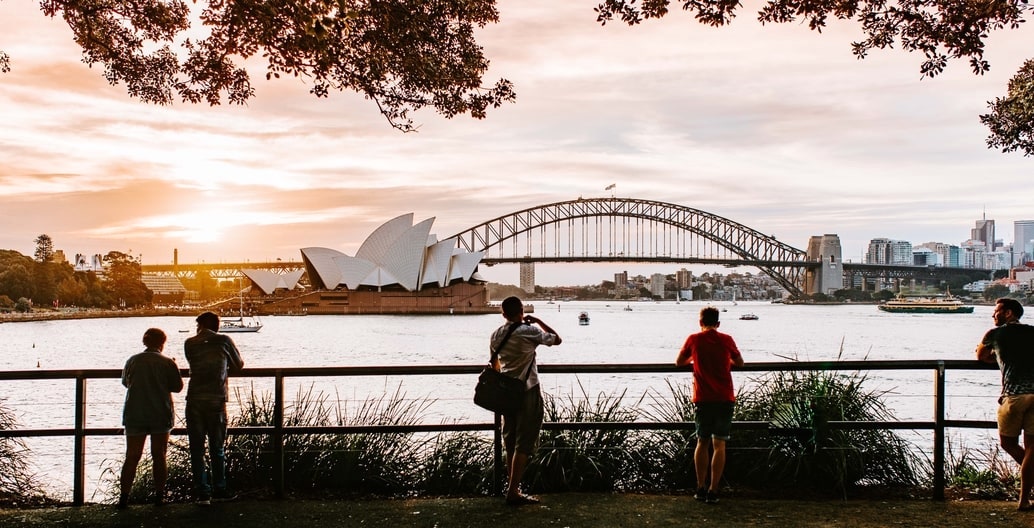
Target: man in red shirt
<point>712,355</point>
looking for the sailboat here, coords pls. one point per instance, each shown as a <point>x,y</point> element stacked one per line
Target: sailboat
<point>239,324</point>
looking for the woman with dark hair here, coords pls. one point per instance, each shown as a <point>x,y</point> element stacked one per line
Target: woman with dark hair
<point>150,379</point>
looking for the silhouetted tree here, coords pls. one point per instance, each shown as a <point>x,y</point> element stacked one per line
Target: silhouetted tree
<point>44,248</point>
<point>401,54</point>
<point>122,280</point>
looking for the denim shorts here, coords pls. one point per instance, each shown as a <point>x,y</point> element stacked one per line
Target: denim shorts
<point>145,430</point>
<point>714,420</point>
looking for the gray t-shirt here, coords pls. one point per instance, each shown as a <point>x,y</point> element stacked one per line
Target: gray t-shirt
<point>517,357</point>
<point>1013,345</point>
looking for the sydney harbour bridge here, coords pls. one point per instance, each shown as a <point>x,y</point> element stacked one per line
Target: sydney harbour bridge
<point>643,231</point>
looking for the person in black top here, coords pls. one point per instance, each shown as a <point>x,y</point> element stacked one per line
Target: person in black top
<point>212,357</point>
<point>150,379</point>
<point>1011,345</point>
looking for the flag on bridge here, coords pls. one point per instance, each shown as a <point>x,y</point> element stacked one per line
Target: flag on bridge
<point>611,186</point>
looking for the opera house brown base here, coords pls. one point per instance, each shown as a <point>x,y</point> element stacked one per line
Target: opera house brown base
<point>460,298</point>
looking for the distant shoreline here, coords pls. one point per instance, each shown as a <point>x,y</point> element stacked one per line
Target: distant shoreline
<point>15,317</point>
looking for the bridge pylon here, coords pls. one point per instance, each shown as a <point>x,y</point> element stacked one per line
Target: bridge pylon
<point>829,275</point>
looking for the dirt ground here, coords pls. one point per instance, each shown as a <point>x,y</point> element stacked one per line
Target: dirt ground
<point>560,510</point>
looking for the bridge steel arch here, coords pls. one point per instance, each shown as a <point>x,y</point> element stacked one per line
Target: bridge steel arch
<point>630,230</point>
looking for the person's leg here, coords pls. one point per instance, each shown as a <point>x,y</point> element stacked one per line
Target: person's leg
<point>528,424</point>
<point>517,466</point>
<point>134,449</point>
<point>717,462</point>
<point>197,434</point>
<point>159,465</point>
<point>217,449</point>
<point>1027,472</point>
<point>701,459</point>
<point>1011,445</point>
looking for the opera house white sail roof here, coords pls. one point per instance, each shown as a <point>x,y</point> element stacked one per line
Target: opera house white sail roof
<point>268,282</point>
<point>398,253</point>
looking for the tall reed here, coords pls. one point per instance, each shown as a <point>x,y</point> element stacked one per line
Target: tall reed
<point>19,485</point>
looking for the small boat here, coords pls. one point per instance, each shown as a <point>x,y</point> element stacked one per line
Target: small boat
<point>233,325</point>
<point>748,317</point>
<point>583,318</point>
<point>939,304</point>
<point>239,324</point>
<point>628,308</point>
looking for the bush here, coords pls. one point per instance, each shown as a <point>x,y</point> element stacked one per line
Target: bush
<point>589,459</point>
<point>800,450</point>
<point>19,485</point>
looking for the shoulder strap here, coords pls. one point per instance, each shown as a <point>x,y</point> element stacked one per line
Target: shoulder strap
<point>495,351</point>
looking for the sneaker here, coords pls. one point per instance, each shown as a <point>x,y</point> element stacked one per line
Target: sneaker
<point>223,496</point>
<point>701,494</point>
<point>712,497</point>
<point>521,500</point>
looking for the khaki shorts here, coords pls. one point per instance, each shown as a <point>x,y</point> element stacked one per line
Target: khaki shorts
<point>1016,415</point>
<point>521,430</point>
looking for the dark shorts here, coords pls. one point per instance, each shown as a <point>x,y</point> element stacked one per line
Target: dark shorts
<point>521,430</point>
<point>714,420</point>
<point>144,430</point>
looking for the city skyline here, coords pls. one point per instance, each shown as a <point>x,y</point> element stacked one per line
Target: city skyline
<point>777,127</point>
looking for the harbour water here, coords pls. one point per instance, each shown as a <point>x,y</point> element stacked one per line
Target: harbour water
<point>647,333</point>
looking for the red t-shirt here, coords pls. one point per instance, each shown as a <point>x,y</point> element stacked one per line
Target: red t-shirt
<point>711,354</point>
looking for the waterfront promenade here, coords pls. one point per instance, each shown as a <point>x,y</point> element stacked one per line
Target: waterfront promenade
<point>574,510</point>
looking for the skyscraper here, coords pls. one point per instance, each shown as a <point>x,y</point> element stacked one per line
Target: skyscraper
<point>984,232</point>
<point>1023,242</point>
<point>528,276</point>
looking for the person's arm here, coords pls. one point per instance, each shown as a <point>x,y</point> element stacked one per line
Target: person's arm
<point>985,350</point>
<point>545,327</point>
<point>126,376</point>
<point>685,357</point>
<point>175,378</point>
<point>737,359</point>
<point>986,353</point>
<point>234,356</point>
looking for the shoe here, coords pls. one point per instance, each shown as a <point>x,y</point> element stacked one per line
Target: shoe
<point>123,502</point>
<point>203,501</point>
<point>712,497</point>
<point>159,500</point>
<point>701,494</point>
<point>223,496</point>
<point>521,500</point>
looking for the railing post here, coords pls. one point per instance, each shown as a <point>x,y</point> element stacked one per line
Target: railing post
<point>79,443</point>
<point>278,435</point>
<point>938,432</point>
<point>498,467</point>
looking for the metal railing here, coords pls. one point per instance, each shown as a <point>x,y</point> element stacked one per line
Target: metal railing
<point>938,424</point>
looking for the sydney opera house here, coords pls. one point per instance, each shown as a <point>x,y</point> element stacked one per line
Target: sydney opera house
<point>400,268</point>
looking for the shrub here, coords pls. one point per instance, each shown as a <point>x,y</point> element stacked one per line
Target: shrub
<point>585,459</point>
<point>801,450</point>
<point>19,485</point>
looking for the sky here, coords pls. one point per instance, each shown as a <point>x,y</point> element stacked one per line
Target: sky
<point>776,127</point>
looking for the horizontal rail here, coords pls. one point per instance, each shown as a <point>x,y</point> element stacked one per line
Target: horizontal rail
<point>278,430</point>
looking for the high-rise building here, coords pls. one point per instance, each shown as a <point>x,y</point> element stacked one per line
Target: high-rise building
<point>1023,242</point>
<point>984,232</point>
<point>949,254</point>
<point>657,281</point>
<point>528,276</point>
<point>684,279</point>
<point>889,252</point>
<point>621,281</point>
